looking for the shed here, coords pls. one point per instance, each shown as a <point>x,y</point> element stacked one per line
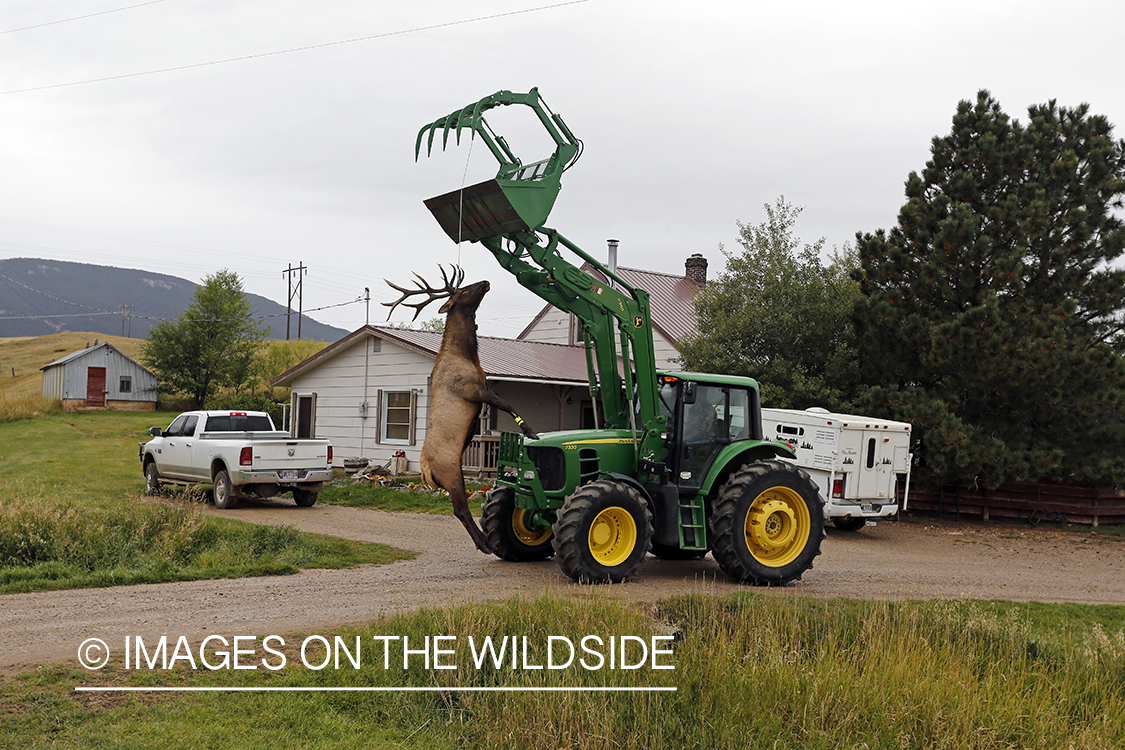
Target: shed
<point>100,377</point>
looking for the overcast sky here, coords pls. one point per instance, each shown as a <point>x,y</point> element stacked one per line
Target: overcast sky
<point>693,115</point>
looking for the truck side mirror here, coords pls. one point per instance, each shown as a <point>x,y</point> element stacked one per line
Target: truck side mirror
<point>689,392</point>
<point>156,432</point>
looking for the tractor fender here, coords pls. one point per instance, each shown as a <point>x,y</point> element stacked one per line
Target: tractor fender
<point>738,454</point>
<point>632,482</point>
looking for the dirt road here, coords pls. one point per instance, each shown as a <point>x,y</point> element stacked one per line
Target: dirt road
<point>904,560</point>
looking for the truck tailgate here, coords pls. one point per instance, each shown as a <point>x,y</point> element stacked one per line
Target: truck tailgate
<point>277,455</point>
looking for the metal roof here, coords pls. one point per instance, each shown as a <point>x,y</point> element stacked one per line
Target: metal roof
<point>90,350</point>
<point>501,359</point>
<point>670,297</point>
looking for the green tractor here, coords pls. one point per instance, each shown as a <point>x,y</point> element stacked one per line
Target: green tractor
<point>678,465</point>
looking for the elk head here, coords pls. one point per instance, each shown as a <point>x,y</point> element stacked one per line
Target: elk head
<point>466,299</point>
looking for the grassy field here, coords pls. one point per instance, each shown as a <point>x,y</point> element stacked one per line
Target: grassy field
<point>74,516</point>
<point>750,671</point>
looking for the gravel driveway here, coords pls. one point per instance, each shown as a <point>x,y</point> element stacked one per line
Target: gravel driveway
<point>911,559</point>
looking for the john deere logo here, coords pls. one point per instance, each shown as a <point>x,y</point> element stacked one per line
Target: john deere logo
<point>638,321</point>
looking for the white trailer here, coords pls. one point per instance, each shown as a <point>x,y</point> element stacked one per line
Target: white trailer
<point>855,461</point>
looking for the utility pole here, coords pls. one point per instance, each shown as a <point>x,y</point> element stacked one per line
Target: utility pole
<point>298,289</point>
<point>367,299</point>
<point>127,317</point>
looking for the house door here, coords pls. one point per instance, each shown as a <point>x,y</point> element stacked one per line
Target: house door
<point>95,386</point>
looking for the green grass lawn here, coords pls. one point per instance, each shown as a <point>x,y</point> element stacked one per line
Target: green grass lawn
<point>74,515</point>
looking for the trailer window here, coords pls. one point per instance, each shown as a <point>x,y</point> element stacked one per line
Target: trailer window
<point>871,453</point>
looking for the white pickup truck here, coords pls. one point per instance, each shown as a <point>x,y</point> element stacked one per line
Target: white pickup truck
<point>238,452</point>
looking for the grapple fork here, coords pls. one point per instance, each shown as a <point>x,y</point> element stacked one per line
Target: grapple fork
<point>521,196</point>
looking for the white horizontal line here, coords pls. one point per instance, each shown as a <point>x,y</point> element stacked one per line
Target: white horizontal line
<point>498,689</point>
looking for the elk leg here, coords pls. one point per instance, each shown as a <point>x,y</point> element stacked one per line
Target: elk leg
<point>449,478</point>
<point>487,396</point>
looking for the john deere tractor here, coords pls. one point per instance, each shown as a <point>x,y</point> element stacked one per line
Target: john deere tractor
<point>678,464</point>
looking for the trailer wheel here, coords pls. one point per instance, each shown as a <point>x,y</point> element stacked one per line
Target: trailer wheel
<point>225,499</point>
<point>603,532</point>
<point>767,524</point>
<point>850,523</point>
<point>152,480</point>
<point>508,534</point>
<point>304,498</point>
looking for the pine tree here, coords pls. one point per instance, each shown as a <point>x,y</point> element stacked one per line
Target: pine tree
<point>991,316</point>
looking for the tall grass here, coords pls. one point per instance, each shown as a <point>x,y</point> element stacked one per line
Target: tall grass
<point>47,544</point>
<point>751,671</point>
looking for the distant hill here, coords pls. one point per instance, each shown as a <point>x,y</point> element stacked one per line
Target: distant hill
<point>41,297</point>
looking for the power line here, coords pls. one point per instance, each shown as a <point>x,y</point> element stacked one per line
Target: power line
<point>306,48</point>
<point>79,18</point>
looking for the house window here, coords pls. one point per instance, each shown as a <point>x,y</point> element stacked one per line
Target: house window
<point>126,384</point>
<point>397,418</point>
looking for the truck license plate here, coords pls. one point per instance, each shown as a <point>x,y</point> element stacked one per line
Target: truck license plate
<point>288,475</point>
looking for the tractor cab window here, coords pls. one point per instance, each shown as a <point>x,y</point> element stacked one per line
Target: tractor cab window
<point>702,427</point>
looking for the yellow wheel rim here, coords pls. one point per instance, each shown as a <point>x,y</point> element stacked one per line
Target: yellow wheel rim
<point>530,537</point>
<point>613,536</point>
<point>777,526</point>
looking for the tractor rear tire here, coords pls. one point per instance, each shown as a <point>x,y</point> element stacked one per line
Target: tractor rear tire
<point>509,537</point>
<point>603,532</point>
<point>767,525</point>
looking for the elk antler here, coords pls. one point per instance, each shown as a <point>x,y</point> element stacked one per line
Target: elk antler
<point>451,286</point>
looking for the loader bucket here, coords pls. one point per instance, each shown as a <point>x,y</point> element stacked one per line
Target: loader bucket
<point>494,208</point>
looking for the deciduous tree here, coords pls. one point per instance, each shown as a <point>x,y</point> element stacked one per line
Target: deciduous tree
<point>779,313</point>
<point>211,345</point>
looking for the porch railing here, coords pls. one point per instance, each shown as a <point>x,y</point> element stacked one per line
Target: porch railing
<point>481,455</point>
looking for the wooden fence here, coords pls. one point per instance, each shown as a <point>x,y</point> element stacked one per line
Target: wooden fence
<point>1030,501</point>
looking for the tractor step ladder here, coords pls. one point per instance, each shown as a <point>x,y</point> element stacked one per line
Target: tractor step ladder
<point>693,523</point>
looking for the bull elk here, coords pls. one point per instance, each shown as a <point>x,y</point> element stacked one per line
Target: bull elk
<point>458,390</point>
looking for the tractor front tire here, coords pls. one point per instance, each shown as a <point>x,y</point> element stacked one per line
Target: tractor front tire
<point>225,497</point>
<point>603,532</point>
<point>767,525</point>
<point>508,535</point>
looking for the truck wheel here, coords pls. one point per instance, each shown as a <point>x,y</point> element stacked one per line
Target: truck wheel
<point>850,523</point>
<point>225,499</point>
<point>603,532</point>
<point>672,552</point>
<point>510,538</point>
<point>304,498</point>
<point>767,524</point>
<point>152,480</point>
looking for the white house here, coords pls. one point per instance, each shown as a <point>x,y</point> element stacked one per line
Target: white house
<point>372,390</point>
<point>100,377</point>
<point>369,393</point>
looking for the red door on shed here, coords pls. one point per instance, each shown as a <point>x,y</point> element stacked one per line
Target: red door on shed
<point>95,386</point>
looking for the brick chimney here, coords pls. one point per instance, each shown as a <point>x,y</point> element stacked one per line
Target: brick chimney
<point>695,268</point>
